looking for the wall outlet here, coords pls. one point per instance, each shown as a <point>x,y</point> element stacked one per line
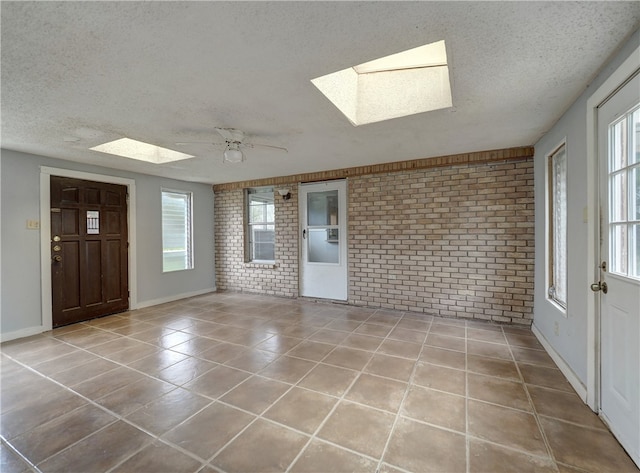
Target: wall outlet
<point>556,328</point>
<point>33,224</point>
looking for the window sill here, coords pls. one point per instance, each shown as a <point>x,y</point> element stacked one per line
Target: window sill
<point>261,265</point>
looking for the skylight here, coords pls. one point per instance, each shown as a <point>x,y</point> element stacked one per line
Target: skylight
<point>405,83</point>
<point>132,149</point>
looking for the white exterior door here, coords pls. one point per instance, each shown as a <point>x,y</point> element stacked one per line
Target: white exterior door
<point>619,157</point>
<point>323,240</point>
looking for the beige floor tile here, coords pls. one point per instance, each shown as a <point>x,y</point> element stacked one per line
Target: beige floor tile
<point>443,341</point>
<point>527,340</point>
<point>87,371</point>
<point>448,330</point>
<point>485,457</point>
<point>362,342</point>
<point>159,457</point>
<point>435,407</point>
<point>348,358</point>
<point>76,358</point>
<point>486,335</point>
<point>490,350</point>
<point>498,391</point>
<point>344,325</point>
<point>135,395</point>
<point>216,382</point>
<point>278,344</point>
<point>563,405</point>
<point>508,427</point>
<point>440,378</point>
<point>168,411</point>
<point>592,450</point>
<point>262,447</point>
<point>409,323</point>
<point>358,428</point>
<point>301,409</point>
<point>310,350</point>
<point>323,457</point>
<point>173,339</point>
<point>442,357</point>
<point>252,360</point>
<point>185,371</point>
<point>50,403</point>
<point>421,448</point>
<point>288,369</point>
<point>158,361</point>
<point>400,348</point>
<point>108,382</point>
<point>195,346</point>
<point>255,394</point>
<point>11,462</point>
<point>373,330</point>
<point>197,436</point>
<point>328,379</point>
<point>46,440</point>
<point>326,335</point>
<point>374,391</point>
<point>535,357</point>
<point>390,367</point>
<point>493,367</point>
<point>407,335</point>
<point>100,451</point>
<point>223,352</point>
<point>543,376</point>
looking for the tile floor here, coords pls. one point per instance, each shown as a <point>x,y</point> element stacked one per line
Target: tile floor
<point>244,383</point>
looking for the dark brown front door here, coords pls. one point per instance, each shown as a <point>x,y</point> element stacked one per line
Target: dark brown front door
<point>89,249</point>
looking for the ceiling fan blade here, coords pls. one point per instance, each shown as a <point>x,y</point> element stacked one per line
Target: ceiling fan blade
<point>258,145</point>
<point>182,143</point>
<point>230,134</point>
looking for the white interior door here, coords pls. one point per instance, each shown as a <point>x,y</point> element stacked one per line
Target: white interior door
<point>323,240</point>
<point>619,157</point>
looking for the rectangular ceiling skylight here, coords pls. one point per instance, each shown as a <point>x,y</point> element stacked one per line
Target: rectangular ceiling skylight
<point>405,83</point>
<point>132,149</point>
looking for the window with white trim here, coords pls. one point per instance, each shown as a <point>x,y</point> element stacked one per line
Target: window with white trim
<point>177,230</point>
<point>557,213</point>
<point>260,229</point>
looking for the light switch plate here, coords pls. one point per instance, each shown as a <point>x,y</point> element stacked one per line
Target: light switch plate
<point>33,224</point>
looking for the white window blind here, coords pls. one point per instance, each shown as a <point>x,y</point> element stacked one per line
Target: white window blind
<point>177,237</point>
<point>558,226</point>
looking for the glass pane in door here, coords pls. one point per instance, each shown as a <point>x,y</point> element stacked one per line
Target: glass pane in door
<point>323,249</point>
<point>322,208</point>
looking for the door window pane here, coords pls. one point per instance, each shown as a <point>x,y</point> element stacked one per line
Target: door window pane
<point>322,208</point>
<point>177,238</point>
<point>624,194</point>
<point>323,246</point>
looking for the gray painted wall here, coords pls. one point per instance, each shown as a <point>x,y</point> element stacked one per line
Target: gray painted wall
<point>20,248</point>
<point>568,335</point>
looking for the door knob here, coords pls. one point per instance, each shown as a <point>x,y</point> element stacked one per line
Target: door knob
<point>600,286</point>
<point>57,258</point>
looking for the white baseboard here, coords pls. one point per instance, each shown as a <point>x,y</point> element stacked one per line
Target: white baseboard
<point>25,332</point>
<point>574,381</point>
<point>176,297</point>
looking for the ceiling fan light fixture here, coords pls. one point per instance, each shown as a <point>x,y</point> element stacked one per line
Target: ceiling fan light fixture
<point>233,154</point>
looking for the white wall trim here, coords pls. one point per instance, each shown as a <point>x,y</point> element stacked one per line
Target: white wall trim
<point>568,373</point>
<point>25,332</point>
<point>618,77</point>
<point>45,234</point>
<point>164,300</point>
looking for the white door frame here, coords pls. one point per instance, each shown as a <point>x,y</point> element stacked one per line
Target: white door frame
<point>611,85</point>
<point>45,234</point>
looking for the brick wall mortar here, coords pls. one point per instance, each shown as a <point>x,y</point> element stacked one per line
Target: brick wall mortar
<point>455,241</point>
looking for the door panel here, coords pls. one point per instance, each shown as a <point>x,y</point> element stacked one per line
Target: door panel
<point>619,158</point>
<point>89,250</point>
<point>323,216</point>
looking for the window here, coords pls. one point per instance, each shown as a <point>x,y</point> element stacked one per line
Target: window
<point>557,174</point>
<point>624,195</point>
<point>261,230</point>
<point>177,230</point>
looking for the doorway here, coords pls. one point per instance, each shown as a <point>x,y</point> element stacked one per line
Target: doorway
<point>88,248</point>
<point>323,240</point>
<point>618,135</point>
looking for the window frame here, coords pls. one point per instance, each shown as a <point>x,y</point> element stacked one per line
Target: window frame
<point>554,269</point>
<point>189,259</point>
<point>249,247</point>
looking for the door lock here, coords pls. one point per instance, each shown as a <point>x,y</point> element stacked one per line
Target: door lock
<point>600,286</point>
<point>57,258</point>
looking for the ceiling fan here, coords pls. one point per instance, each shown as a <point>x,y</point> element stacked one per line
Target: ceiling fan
<point>234,140</point>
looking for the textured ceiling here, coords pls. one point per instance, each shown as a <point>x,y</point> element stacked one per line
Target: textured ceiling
<point>76,74</point>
